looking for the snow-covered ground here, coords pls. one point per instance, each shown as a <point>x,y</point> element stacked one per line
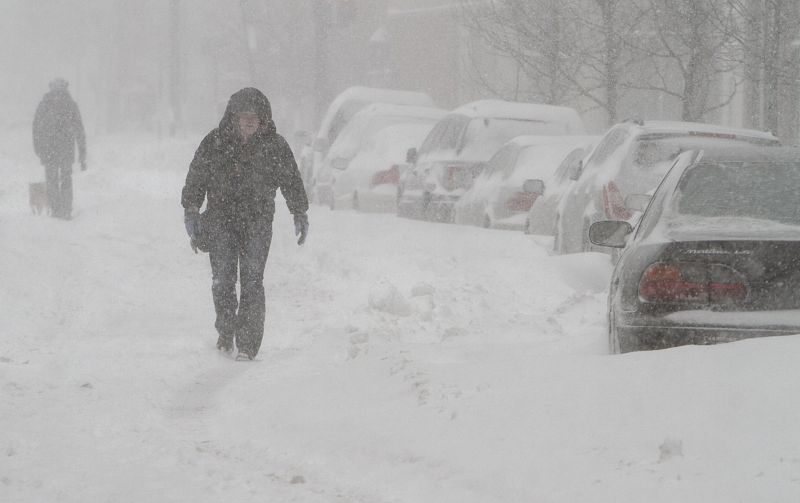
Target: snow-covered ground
<point>403,362</point>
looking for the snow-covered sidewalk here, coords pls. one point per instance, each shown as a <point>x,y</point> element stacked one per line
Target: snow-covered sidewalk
<point>402,362</point>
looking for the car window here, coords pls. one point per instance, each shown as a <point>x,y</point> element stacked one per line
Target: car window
<point>763,191</point>
<point>433,137</point>
<point>454,134</point>
<point>504,159</point>
<point>613,140</point>
<point>654,210</point>
<point>649,158</point>
<point>342,117</point>
<point>445,135</point>
<point>571,160</point>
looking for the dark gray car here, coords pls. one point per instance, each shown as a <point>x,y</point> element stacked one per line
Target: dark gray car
<point>715,257</point>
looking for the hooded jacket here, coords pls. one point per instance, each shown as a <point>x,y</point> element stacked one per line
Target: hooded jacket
<point>57,126</point>
<point>239,178</point>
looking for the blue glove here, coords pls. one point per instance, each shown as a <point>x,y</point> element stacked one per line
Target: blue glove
<point>191,220</point>
<point>301,227</point>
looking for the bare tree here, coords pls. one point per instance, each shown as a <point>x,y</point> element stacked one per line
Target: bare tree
<point>690,47</point>
<point>610,29</point>
<point>769,36</point>
<point>567,49</point>
<point>536,36</point>
<point>175,65</point>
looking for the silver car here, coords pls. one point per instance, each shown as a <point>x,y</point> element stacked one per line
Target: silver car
<point>498,198</point>
<point>625,169</point>
<point>457,148</point>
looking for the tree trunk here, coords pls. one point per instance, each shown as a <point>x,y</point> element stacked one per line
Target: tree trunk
<point>772,52</point>
<point>612,54</point>
<point>175,65</point>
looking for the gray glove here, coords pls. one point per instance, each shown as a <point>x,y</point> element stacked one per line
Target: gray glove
<point>191,220</point>
<point>301,227</point>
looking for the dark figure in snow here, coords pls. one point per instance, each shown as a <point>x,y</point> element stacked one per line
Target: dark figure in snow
<point>237,169</point>
<point>57,127</point>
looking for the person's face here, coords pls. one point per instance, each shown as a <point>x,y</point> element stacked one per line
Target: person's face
<point>248,124</point>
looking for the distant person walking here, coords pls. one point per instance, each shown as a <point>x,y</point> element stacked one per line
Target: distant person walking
<point>237,170</point>
<point>57,127</point>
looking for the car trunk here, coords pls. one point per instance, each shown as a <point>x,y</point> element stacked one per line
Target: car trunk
<point>726,276</point>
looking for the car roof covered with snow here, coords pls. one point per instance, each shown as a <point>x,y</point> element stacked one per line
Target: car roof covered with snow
<point>531,140</point>
<point>501,109</point>
<point>394,110</point>
<point>697,128</point>
<point>365,95</point>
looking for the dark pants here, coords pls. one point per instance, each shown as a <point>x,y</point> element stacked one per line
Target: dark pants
<point>239,251</point>
<point>58,175</point>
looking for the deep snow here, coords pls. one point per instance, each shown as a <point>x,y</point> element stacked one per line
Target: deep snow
<point>403,362</point>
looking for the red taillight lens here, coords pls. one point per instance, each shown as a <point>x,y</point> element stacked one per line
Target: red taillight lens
<point>456,177</point>
<point>614,203</point>
<point>521,201</point>
<point>390,176</point>
<point>692,283</point>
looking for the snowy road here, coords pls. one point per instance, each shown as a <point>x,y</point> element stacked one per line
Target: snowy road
<point>402,362</point>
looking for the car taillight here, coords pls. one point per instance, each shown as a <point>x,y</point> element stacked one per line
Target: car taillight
<point>390,176</point>
<point>614,203</point>
<point>456,177</point>
<point>521,201</point>
<point>692,283</point>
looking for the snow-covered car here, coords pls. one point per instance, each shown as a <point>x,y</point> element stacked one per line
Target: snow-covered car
<point>343,108</point>
<point>458,147</point>
<point>356,136</point>
<point>370,181</point>
<point>498,198</point>
<point>542,215</point>
<point>715,257</point>
<point>628,164</point>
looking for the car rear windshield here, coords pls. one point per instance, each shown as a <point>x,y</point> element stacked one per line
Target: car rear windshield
<point>651,157</point>
<point>759,190</point>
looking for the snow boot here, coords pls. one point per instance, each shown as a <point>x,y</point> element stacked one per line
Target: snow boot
<point>225,343</point>
<point>244,355</point>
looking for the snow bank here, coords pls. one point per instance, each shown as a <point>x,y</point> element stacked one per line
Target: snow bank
<point>402,361</point>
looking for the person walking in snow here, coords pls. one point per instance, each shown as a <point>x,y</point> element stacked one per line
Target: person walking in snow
<point>237,170</point>
<point>57,127</point>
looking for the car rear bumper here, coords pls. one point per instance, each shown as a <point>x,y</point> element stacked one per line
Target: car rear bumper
<point>411,204</point>
<point>441,208</point>
<point>660,336</point>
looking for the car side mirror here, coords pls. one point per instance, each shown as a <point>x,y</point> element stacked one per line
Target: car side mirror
<point>576,170</point>
<point>412,155</point>
<point>637,202</point>
<point>340,163</point>
<point>610,233</point>
<point>533,187</point>
<point>321,145</point>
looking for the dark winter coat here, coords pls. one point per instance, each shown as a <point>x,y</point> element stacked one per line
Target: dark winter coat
<point>57,126</point>
<point>240,179</point>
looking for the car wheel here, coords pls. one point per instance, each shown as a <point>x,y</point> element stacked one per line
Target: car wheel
<point>355,202</point>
